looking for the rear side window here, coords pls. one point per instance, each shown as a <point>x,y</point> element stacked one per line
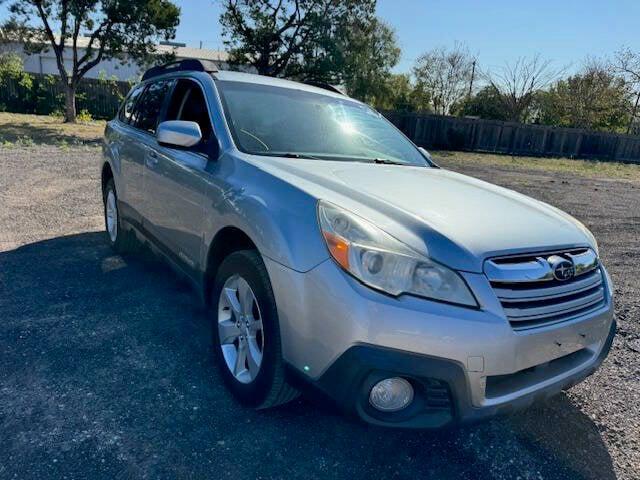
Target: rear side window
<point>130,103</point>
<point>148,110</point>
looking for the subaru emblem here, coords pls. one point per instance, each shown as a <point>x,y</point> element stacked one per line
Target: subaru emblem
<point>562,268</point>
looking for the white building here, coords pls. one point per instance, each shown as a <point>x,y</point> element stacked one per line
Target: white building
<point>45,62</point>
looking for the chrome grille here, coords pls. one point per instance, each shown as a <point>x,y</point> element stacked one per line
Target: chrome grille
<point>530,295</point>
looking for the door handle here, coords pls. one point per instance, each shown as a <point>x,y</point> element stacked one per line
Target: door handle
<point>152,157</point>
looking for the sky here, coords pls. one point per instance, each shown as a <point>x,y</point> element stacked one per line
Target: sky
<point>498,31</point>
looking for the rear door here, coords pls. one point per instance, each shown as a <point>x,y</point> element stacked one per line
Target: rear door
<point>130,186</point>
<point>143,144</point>
<point>176,179</point>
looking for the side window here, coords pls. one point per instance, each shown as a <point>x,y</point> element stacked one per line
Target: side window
<point>148,111</point>
<point>188,103</point>
<point>129,104</point>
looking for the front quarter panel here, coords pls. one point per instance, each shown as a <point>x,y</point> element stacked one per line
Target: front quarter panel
<point>278,217</point>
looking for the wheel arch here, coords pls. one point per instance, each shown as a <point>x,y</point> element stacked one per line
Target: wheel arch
<point>227,240</point>
<point>106,175</point>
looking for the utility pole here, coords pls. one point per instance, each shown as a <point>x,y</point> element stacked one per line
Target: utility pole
<point>473,75</point>
<point>633,113</point>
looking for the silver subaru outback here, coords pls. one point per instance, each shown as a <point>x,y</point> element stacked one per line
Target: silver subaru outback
<point>334,255</point>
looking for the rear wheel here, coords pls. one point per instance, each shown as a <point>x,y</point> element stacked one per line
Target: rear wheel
<point>246,332</point>
<point>120,239</point>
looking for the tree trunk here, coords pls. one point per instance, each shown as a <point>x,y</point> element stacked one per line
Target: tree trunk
<point>634,112</point>
<point>70,104</point>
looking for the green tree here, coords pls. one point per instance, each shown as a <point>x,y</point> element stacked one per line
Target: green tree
<point>333,41</point>
<point>368,51</point>
<point>593,99</point>
<point>11,65</point>
<point>274,36</point>
<point>401,94</point>
<point>116,28</point>
<point>12,70</point>
<point>626,65</point>
<point>487,103</point>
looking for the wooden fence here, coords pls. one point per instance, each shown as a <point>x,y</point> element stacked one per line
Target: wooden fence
<point>472,134</point>
<point>44,94</point>
<point>101,99</point>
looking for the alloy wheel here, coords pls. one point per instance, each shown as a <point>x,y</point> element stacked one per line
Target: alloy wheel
<point>112,216</point>
<point>240,329</point>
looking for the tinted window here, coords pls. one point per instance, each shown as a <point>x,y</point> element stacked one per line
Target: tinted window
<point>130,103</point>
<point>269,120</point>
<point>148,110</point>
<point>188,103</point>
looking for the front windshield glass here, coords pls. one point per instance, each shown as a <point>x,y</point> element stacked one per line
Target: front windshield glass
<point>268,120</point>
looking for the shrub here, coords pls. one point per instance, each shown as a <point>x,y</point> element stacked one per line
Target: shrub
<point>84,116</point>
<point>22,92</point>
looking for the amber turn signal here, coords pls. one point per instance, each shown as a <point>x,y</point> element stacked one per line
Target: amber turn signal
<point>338,247</point>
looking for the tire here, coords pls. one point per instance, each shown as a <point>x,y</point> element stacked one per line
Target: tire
<point>120,239</point>
<point>266,386</point>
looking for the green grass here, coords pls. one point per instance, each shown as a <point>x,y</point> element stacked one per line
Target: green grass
<point>589,168</point>
<point>23,130</point>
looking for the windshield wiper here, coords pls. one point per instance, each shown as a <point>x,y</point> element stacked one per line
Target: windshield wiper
<point>386,161</point>
<point>381,161</point>
<point>290,155</point>
<point>378,160</point>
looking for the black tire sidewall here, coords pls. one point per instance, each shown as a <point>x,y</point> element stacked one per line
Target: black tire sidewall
<point>249,266</point>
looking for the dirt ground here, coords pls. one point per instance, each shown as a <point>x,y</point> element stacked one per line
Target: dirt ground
<point>106,372</point>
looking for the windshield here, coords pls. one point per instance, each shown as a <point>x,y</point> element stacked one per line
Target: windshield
<point>268,120</point>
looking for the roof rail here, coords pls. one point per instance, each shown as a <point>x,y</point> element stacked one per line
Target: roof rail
<point>188,64</point>
<point>326,86</point>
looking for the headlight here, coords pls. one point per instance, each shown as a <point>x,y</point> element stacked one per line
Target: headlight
<point>377,259</point>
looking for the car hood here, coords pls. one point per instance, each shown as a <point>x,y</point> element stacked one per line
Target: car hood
<point>458,220</point>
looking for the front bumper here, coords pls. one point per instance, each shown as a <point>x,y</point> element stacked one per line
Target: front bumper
<point>349,380</point>
<point>340,336</point>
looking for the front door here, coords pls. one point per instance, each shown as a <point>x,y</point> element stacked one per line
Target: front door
<point>175,180</point>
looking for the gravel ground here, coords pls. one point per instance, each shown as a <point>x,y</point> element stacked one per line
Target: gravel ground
<point>105,369</point>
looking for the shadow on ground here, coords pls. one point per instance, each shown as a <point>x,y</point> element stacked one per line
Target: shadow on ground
<point>107,373</point>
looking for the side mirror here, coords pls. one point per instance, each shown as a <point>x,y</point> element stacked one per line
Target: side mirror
<point>179,133</point>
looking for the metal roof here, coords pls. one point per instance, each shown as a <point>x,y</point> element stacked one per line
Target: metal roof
<point>179,52</point>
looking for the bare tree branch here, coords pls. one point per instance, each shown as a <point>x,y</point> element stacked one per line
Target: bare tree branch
<point>626,63</point>
<point>516,84</point>
<point>58,49</point>
<point>446,75</point>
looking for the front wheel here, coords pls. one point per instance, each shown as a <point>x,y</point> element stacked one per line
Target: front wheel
<point>246,332</point>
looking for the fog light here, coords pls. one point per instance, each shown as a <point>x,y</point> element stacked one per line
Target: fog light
<point>391,394</point>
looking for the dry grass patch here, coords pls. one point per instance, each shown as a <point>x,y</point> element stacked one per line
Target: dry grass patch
<point>589,168</point>
<point>24,130</point>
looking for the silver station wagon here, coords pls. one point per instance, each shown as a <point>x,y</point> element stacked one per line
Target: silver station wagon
<point>335,256</point>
